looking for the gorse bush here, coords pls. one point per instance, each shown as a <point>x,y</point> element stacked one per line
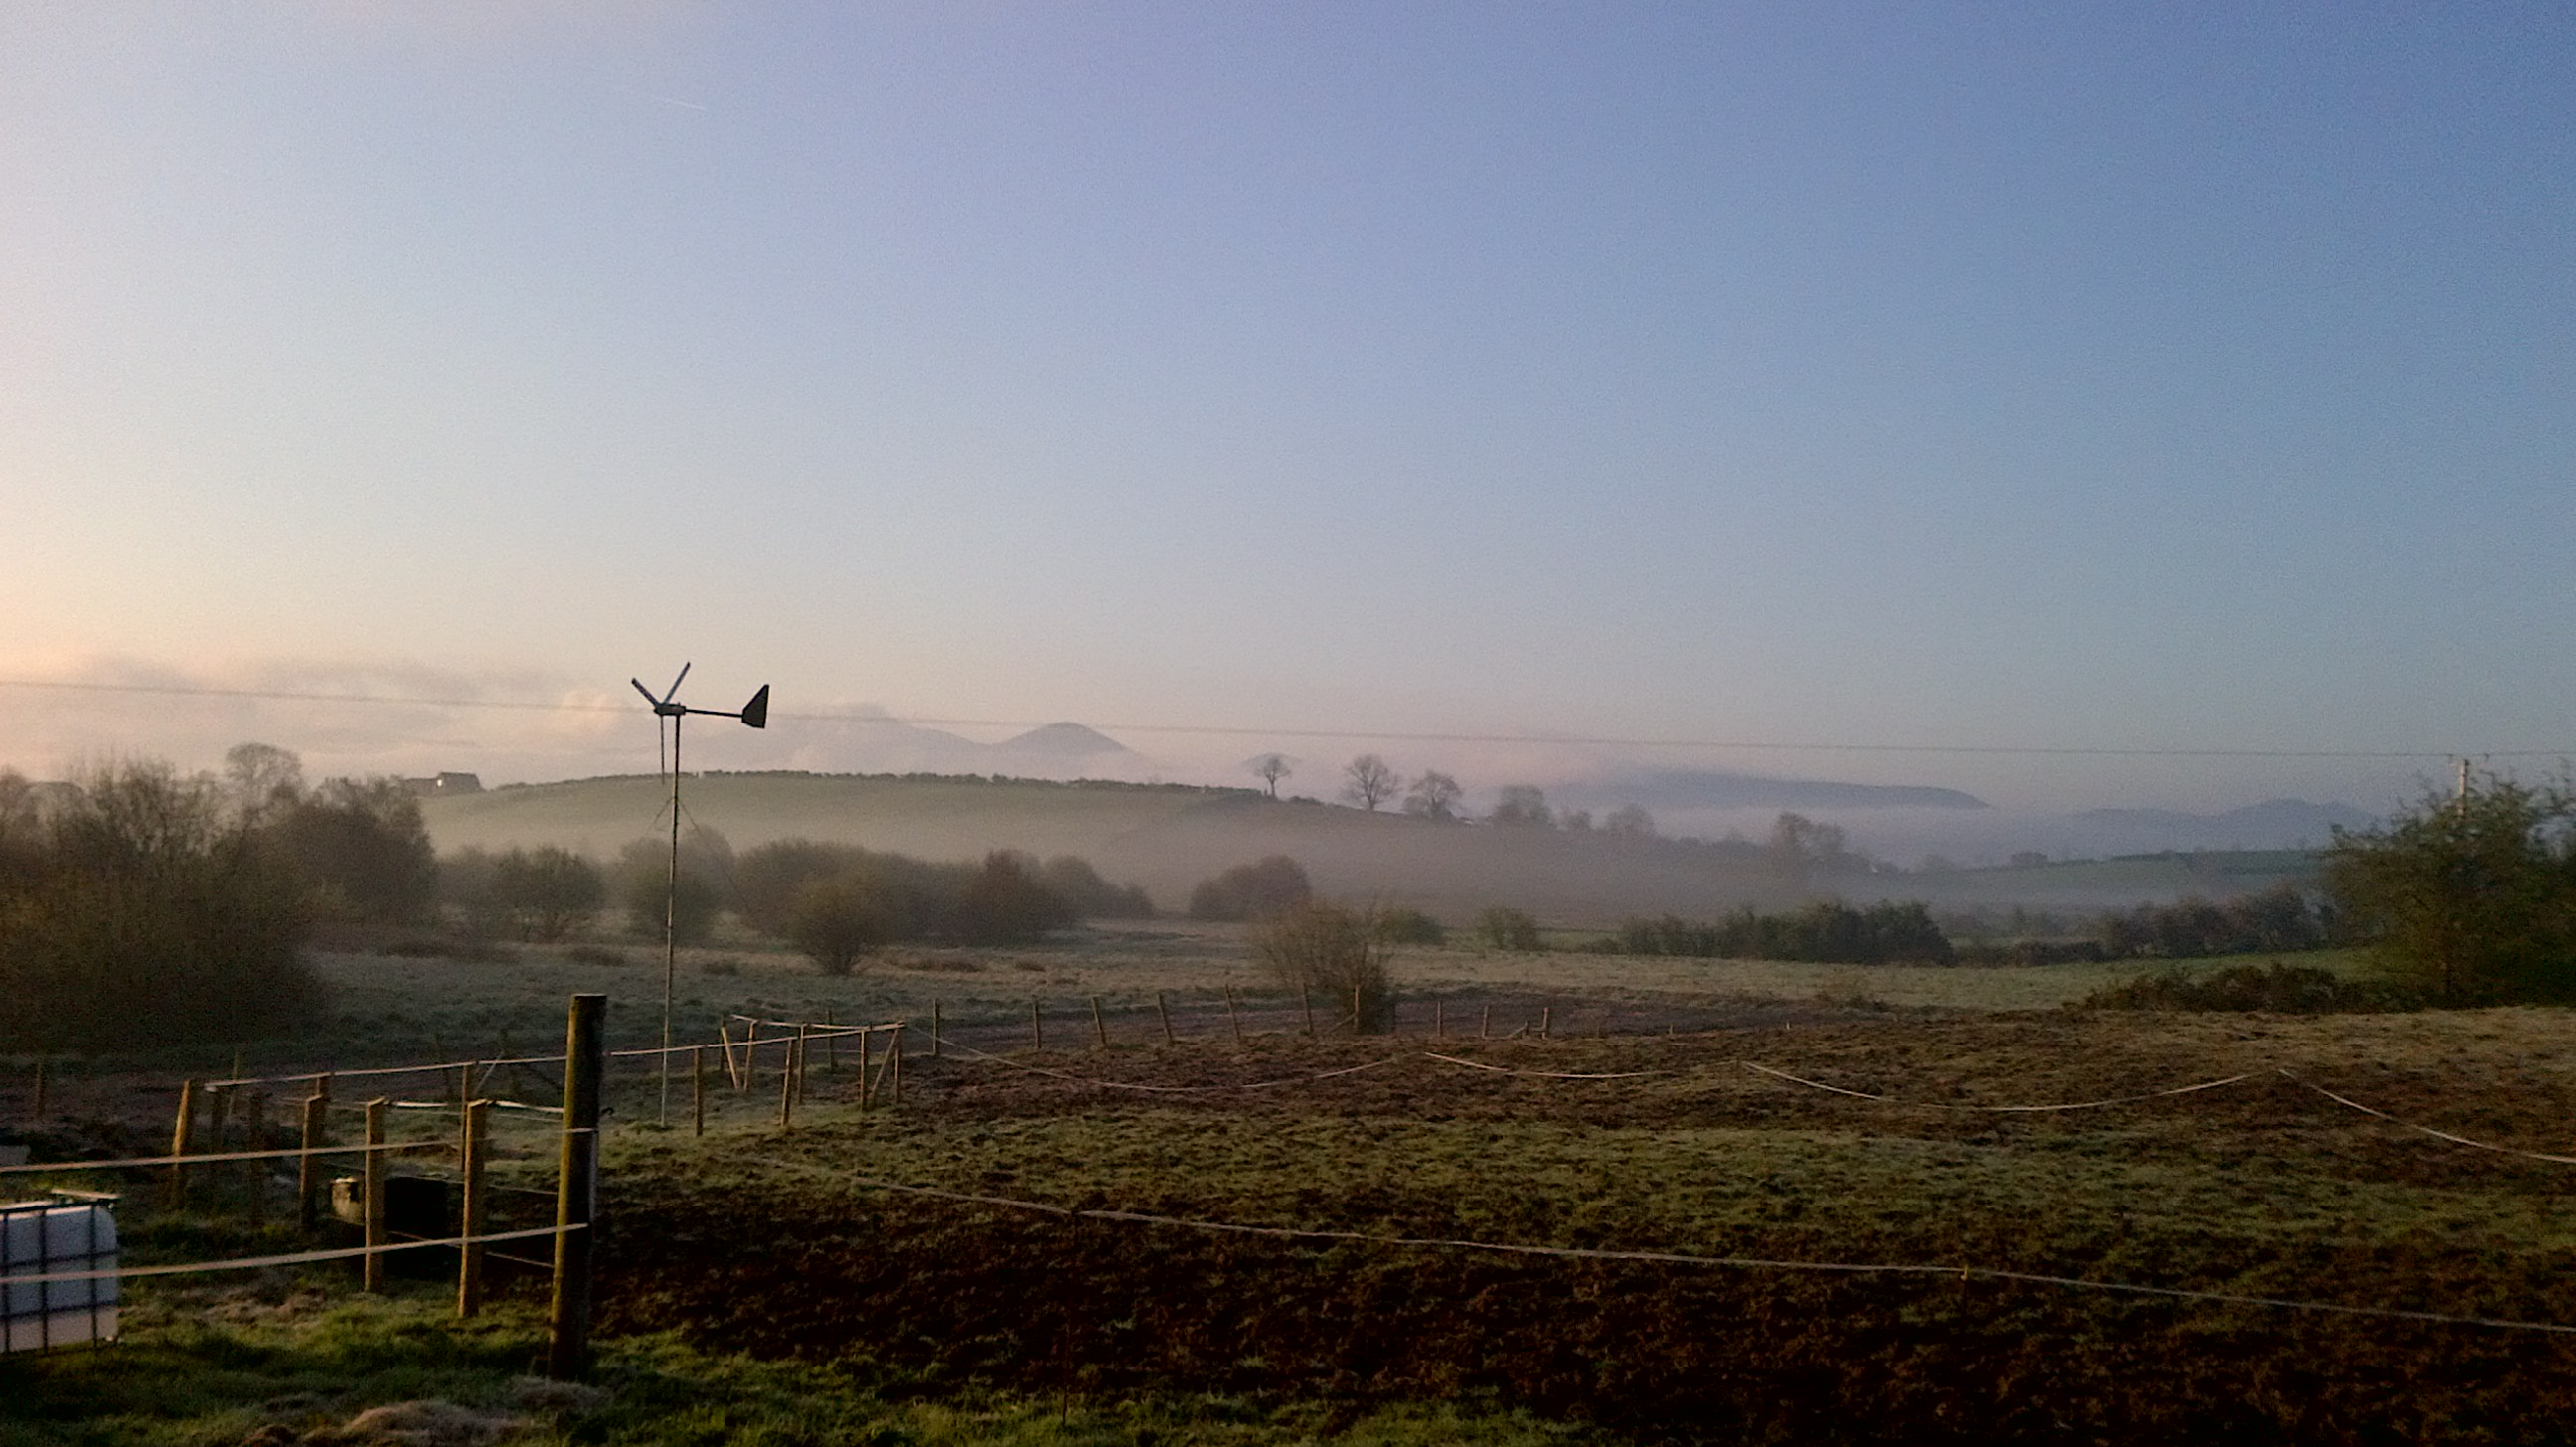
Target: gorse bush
<point>1823,933</point>
<point>1333,955</point>
<point>141,911</point>
<point>2278,987</point>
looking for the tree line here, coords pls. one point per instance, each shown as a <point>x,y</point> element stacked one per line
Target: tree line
<point>141,907</point>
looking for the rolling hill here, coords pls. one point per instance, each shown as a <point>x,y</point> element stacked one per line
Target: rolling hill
<point>1170,836</point>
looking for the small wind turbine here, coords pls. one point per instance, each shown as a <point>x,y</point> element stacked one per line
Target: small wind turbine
<point>755,714</point>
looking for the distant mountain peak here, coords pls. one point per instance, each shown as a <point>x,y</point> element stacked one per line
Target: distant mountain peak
<point>1064,740</point>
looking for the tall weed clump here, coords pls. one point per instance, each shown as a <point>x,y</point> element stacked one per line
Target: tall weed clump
<point>1335,955</point>
<point>138,910</point>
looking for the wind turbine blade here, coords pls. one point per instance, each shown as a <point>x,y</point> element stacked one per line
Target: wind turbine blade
<point>648,693</point>
<point>675,684</point>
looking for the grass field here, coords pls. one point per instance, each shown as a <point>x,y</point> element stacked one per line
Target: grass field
<point>765,1286</point>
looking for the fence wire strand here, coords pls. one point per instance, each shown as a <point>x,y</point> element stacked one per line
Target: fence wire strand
<point>1681,1258</point>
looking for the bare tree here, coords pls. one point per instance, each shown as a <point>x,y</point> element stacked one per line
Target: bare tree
<point>1630,821</point>
<point>261,778</point>
<point>1371,782</point>
<point>1801,847</point>
<point>1433,796</point>
<point>1270,769</point>
<point>1523,805</point>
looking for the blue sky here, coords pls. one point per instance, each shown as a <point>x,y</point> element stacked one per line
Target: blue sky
<point>2175,377</point>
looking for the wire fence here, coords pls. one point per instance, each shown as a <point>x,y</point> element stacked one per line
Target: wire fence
<point>796,1038</point>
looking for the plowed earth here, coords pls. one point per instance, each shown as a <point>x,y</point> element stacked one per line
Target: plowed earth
<point>780,1243</point>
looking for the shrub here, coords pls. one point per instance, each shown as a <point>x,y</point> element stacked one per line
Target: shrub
<point>688,905</point>
<point>545,893</point>
<point>362,848</point>
<point>1252,891</point>
<point>768,877</point>
<point>1004,903</point>
<point>1091,897</point>
<point>2279,919</point>
<point>1401,926</point>
<point>1822,933</point>
<point>2471,898</point>
<point>2278,987</point>
<point>143,912</point>
<point>836,920</point>
<point>1510,929</point>
<point>1334,954</point>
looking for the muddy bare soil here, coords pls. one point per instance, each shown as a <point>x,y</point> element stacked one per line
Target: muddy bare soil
<point>2260,1188</point>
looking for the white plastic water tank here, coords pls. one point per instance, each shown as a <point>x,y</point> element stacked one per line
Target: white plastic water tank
<point>45,1238</point>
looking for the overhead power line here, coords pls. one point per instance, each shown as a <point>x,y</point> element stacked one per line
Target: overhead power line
<point>1353,735</point>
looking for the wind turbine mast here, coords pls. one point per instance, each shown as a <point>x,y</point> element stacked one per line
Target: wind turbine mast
<point>754,714</point>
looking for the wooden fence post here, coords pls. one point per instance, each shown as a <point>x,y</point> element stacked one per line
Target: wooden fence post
<point>1099,1027</point>
<point>750,1055</point>
<point>183,1140</point>
<point>1546,1022</point>
<point>1439,1019</point>
<point>1485,1024</point>
<point>1037,1026</point>
<point>1306,997</point>
<point>803,1038</point>
<point>867,1071</point>
<point>787,1085</point>
<point>469,1257</point>
<point>372,1274</point>
<point>39,1112</point>
<point>1164,1009</point>
<point>257,1129</point>
<point>576,1189</point>
<point>308,1166</point>
<point>219,1119</point>
<point>936,1033</point>
<point>1233,1014</point>
<point>831,1043</point>
<point>897,1061</point>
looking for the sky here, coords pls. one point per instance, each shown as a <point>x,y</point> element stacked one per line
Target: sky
<point>2072,404</point>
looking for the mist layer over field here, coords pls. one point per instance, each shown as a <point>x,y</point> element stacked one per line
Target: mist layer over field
<point>1170,837</point>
